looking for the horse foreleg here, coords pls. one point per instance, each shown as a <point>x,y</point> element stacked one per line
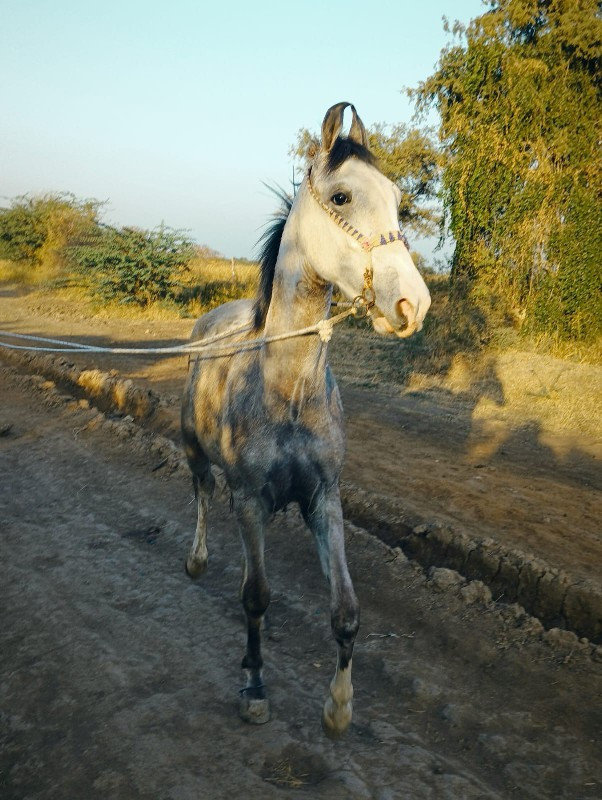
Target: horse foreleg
<point>255,595</point>
<point>326,523</point>
<point>196,563</point>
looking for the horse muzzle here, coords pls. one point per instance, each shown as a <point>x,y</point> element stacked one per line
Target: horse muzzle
<point>406,321</point>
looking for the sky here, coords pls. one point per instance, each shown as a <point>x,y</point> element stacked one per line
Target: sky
<point>178,111</point>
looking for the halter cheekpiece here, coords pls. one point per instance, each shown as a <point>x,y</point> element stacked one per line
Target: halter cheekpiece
<point>367,299</point>
<point>367,242</point>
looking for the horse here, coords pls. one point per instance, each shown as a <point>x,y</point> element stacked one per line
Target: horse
<point>267,411</point>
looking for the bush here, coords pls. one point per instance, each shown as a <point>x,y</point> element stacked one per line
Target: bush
<point>38,230</point>
<point>134,266</point>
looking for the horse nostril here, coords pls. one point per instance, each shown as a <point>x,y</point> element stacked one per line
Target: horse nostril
<point>406,313</point>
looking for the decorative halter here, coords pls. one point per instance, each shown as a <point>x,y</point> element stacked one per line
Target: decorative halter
<point>367,242</point>
<point>367,299</point>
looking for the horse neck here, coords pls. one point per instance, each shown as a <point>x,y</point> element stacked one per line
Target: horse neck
<point>299,299</point>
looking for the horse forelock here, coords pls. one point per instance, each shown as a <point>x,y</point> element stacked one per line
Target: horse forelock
<point>343,149</point>
<point>268,255</point>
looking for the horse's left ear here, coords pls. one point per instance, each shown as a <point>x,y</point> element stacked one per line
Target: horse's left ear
<point>357,132</point>
<point>333,125</point>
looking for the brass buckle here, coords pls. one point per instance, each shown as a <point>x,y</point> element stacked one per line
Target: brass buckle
<point>364,301</point>
<point>360,307</point>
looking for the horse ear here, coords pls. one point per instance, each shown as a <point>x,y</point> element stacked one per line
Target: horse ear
<point>357,131</point>
<point>332,125</point>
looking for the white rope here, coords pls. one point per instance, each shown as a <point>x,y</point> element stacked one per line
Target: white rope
<point>323,329</point>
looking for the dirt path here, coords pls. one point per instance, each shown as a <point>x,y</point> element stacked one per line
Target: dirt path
<point>119,675</point>
<point>430,453</point>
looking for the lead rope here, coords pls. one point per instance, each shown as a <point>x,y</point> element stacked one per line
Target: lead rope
<point>323,329</point>
<point>359,307</point>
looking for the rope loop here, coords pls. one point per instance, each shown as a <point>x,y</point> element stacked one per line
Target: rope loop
<point>325,330</point>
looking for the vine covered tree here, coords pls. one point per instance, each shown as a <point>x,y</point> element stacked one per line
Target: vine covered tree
<point>519,95</point>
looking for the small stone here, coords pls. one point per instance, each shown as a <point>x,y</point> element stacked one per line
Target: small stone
<point>512,612</point>
<point>559,638</point>
<point>532,626</point>
<point>423,690</point>
<point>476,592</point>
<point>397,554</point>
<point>420,530</point>
<point>84,403</point>
<point>440,579</point>
<point>597,654</point>
<point>451,713</point>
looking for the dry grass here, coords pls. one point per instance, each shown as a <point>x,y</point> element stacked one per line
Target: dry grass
<point>20,273</point>
<point>282,773</point>
<point>208,283</point>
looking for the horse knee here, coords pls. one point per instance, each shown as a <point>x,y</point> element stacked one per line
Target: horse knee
<point>255,597</point>
<point>345,622</point>
<point>204,483</point>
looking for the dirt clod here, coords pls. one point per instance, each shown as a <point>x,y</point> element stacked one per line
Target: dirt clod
<point>441,579</point>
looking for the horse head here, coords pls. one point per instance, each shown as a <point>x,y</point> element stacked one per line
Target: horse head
<point>364,252</point>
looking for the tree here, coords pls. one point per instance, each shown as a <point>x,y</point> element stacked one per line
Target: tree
<point>410,158</point>
<point>520,102</point>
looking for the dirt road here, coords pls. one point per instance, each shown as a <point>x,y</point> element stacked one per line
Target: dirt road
<point>430,452</point>
<point>120,676</point>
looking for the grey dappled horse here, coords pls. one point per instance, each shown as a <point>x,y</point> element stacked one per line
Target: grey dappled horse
<point>270,415</point>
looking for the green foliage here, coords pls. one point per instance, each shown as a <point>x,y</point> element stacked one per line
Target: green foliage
<point>135,266</point>
<point>568,302</point>
<point>39,229</point>
<point>521,117</point>
<point>22,231</point>
<point>410,158</point>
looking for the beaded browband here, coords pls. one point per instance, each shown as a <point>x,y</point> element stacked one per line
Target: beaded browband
<point>367,242</point>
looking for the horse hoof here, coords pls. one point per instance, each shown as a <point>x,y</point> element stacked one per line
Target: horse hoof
<point>254,711</point>
<point>195,568</point>
<point>336,719</point>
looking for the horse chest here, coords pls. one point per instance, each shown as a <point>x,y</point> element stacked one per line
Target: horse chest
<point>283,461</point>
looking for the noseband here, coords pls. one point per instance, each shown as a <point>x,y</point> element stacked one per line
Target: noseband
<point>367,298</point>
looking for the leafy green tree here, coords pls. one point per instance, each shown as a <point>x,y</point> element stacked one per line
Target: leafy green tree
<point>133,265</point>
<point>519,95</point>
<point>410,158</point>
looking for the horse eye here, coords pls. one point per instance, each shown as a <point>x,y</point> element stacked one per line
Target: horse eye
<point>339,199</point>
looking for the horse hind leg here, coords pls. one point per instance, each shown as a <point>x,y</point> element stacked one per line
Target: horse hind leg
<point>204,484</point>
<point>326,523</point>
<point>255,596</point>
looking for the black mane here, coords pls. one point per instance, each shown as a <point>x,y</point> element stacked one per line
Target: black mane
<point>271,238</point>
<point>268,255</point>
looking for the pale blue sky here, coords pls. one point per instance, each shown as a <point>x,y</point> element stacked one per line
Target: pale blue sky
<point>176,111</point>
